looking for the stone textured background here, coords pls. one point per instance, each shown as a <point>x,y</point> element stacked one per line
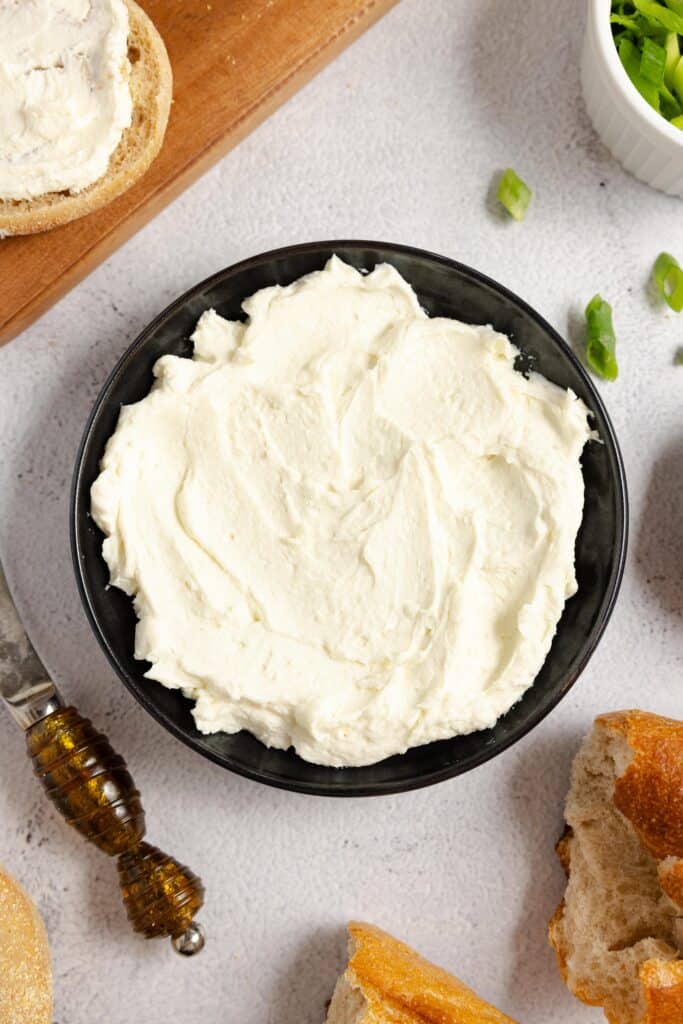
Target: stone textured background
<point>397,140</point>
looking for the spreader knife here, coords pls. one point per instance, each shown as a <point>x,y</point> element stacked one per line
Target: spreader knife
<point>89,784</point>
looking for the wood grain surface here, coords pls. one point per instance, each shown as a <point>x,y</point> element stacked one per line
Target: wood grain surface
<point>234,62</point>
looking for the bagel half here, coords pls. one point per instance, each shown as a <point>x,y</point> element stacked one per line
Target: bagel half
<point>25,973</point>
<point>151,84</point>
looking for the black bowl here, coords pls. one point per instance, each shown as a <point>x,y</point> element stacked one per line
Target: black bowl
<point>445,288</point>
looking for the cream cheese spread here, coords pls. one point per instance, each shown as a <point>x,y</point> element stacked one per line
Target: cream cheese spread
<point>64,95</point>
<point>347,526</point>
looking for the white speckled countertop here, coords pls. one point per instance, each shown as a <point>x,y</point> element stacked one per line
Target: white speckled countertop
<point>398,140</point>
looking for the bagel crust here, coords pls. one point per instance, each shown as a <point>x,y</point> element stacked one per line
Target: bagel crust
<point>25,972</point>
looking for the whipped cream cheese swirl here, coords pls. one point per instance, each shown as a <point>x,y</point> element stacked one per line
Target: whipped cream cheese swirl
<point>347,526</point>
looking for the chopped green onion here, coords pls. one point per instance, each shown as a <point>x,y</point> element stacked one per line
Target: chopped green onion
<point>677,122</point>
<point>670,106</point>
<point>653,63</point>
<point>677,79</point>
<point>601,341</point>
<point>668,277</point>
<point>673,55</point>
<point>651,30</point>
<point>630,23</point>
<point>660,15</point>
<point>648,36</point>
<point>514,195</point>
<point>678,358</point>
<point>630,58</point>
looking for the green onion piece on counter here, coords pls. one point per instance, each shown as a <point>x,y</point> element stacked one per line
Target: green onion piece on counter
<point>660,15</point>
<point>630,58</point>
<point>678,358</point>
<point>514,195</point>
<point>668,277</point>
<point>673,55</point>
<point>653,63</point>
<point>601,341</point>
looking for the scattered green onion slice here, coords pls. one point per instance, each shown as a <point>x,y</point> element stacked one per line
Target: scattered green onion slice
<point>653,62</point>
<point>678,358</point>
<point>668,277</point>
<point>514,195</point>
<point>677,122</point>
<point>601,341</point>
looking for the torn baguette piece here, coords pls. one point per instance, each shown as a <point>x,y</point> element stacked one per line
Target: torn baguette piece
<point>25,971</point>
<point>151,84</point>
<point>387,982</point>
<point>618,933</point>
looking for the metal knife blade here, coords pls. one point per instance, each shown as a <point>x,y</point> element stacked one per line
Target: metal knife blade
<point>25,685</point>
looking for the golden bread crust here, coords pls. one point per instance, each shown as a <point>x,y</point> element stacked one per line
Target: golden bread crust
<point>401,987</point>
<point>151,85</point>
<point>25,972</point>
<point>662,983</point>
<point>670,874</point>
<point>650,792</point>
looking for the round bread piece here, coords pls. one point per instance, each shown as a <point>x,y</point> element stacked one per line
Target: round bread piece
<point>151,85</point>
<point>25,974</point>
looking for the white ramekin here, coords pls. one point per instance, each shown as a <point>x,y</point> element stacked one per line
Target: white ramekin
<point>636,135</point>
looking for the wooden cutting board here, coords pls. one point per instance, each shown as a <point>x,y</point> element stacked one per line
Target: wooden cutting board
<point>234,62</point>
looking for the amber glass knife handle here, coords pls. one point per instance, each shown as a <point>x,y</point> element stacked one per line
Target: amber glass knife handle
<point>90,785</point>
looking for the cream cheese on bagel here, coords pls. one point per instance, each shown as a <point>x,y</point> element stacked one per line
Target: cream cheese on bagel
<point>64,94</point>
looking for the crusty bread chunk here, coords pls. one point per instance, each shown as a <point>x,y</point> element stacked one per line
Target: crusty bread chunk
<point>387,982</point>
<point>25,973</point>
<point>151,84</point>
<point>618,933</point>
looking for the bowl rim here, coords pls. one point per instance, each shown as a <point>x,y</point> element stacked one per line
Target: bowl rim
<point>377,788</point>
<point>598,19</point>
